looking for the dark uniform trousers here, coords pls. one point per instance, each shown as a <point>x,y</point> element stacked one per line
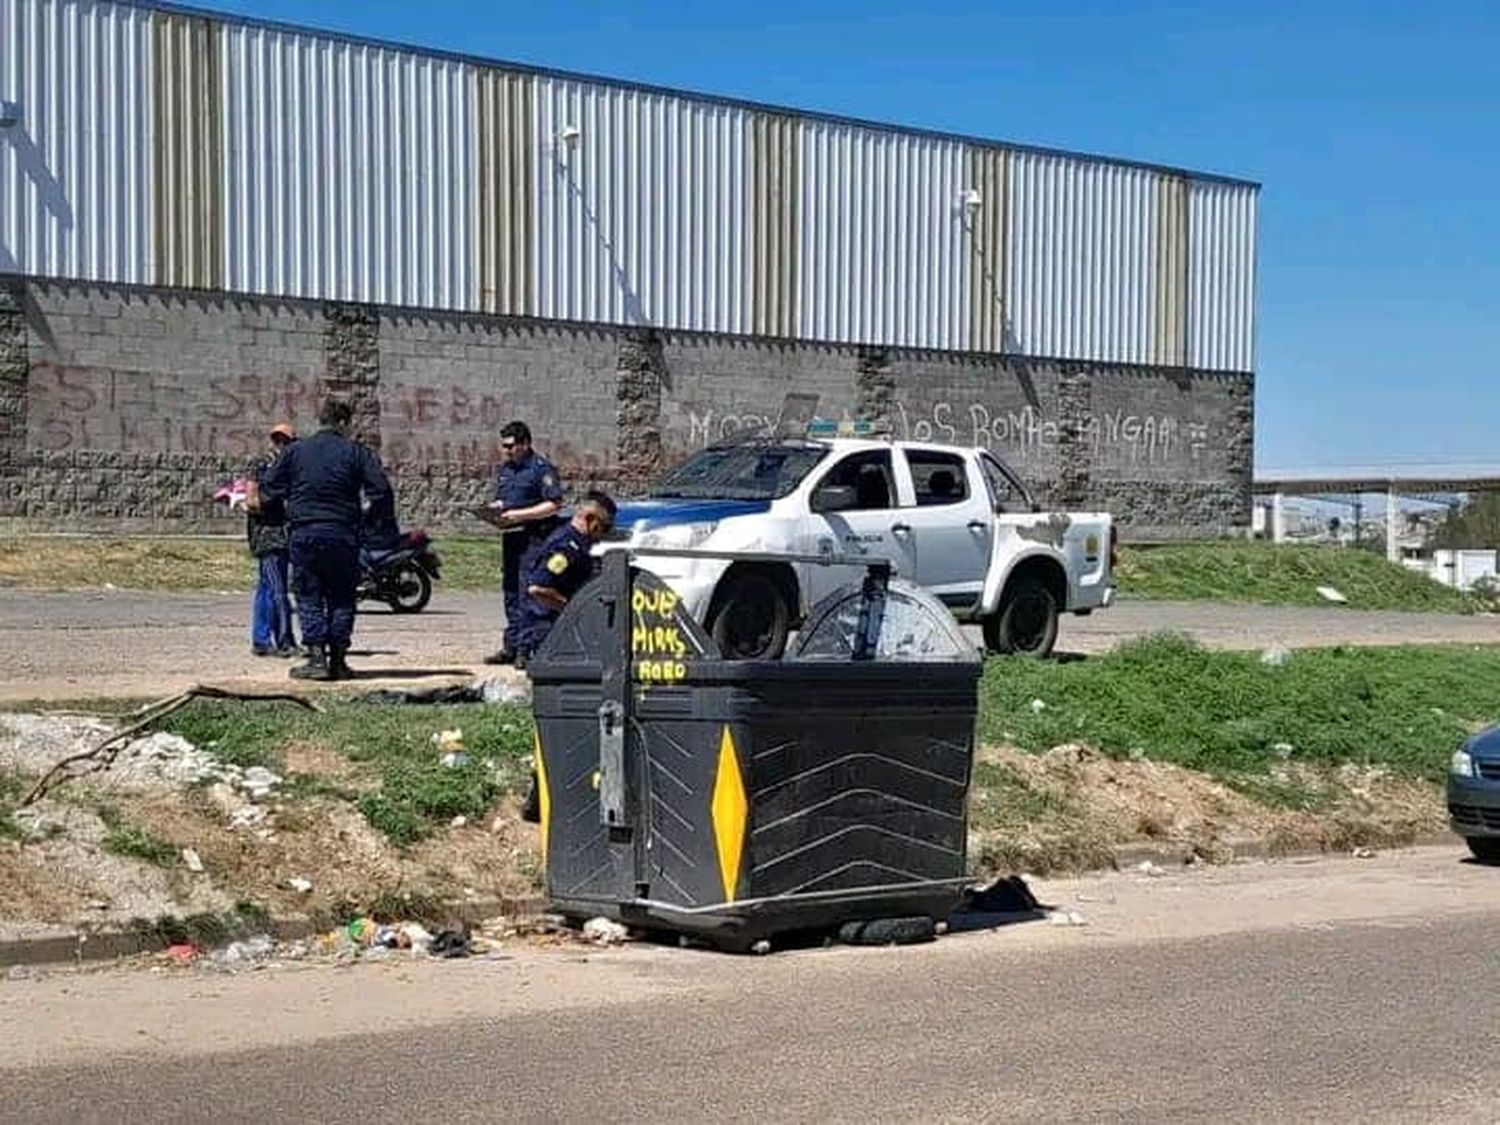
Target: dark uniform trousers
<point>522,486</point>
<point>325,570</point>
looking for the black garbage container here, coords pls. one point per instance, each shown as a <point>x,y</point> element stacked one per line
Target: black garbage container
<point>738,799</point>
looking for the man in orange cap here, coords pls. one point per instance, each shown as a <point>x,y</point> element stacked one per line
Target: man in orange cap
<point>266,528</point>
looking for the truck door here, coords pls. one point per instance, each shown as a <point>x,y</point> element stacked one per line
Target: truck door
<point>855,510</point>
<point>952,524</point>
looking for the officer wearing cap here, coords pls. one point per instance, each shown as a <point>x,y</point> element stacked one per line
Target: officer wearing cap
<point>266,529</point>
<point>528,495</point>
<point>559,570</point>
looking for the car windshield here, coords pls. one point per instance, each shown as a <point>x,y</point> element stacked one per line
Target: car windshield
<point>741,472</point>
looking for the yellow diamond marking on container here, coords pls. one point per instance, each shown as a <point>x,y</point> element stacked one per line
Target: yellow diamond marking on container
<point>730,811</point>
<point>544,796</point>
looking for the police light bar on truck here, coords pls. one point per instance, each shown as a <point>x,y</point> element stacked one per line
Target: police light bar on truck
<point>846,428</point>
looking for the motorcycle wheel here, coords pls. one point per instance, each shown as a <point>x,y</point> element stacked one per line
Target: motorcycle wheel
<point>410,589</point>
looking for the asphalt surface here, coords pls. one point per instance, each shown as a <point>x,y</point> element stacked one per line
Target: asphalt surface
<point>1339,990</point>
<point>116,642</point>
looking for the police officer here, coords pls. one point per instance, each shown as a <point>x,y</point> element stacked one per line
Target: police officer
<point>322,480</point>
<point>528,494</point>
<point>559,570</point>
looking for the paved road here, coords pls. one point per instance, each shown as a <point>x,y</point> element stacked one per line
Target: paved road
<point>1339,990</point>
<point>110,643</point>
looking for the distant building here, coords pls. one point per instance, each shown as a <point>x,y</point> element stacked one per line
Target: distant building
<point>209,221</point>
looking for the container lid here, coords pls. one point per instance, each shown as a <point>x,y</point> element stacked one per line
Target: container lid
<point>913,626</point>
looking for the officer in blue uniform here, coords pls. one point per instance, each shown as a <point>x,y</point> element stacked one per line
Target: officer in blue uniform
<point>556,574</point>
<point>528,494</point>
<point>559,570</point>
<point>322,480</point>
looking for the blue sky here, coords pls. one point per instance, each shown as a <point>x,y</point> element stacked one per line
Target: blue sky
<point>1374,127</point>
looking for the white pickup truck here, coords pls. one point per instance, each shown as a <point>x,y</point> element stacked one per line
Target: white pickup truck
<point>954,520</point>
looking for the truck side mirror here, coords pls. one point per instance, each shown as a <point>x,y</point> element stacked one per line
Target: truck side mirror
<point>835,498</point>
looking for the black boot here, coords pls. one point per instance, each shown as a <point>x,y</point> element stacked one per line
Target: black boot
<point>316,667</point>
<point>338,669</point>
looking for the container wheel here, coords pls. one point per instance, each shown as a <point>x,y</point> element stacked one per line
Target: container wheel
<point>1486,849</point>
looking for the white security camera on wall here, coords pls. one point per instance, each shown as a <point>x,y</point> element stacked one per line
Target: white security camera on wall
<point>570,134</point>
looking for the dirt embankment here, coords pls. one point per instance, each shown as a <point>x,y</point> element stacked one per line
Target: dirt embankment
<point>169,830</point>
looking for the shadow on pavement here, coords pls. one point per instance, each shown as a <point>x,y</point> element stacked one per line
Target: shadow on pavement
<point>406,673</point>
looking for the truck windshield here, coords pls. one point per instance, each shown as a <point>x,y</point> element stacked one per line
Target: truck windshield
<point>741,472</point>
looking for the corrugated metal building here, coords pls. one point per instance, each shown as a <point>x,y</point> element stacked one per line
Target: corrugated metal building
<point>164,146</point>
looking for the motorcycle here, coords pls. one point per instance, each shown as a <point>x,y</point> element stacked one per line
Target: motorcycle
<point>401,575</point>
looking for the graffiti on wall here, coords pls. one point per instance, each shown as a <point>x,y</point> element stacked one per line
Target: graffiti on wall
<point>1022,434</point>
<point>112,410</point>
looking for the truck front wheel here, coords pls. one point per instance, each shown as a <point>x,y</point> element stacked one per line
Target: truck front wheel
<point>750,619</point>
<point>1026,622</point>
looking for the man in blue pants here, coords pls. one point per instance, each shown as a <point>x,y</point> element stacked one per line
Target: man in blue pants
<point>265,527</point>
<point>323,479</point>
<point>528,494</point>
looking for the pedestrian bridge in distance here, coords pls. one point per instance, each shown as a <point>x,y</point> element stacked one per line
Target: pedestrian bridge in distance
<point>1394,481</point>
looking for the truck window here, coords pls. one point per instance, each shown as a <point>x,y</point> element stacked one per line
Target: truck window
<point>869,474</point>
<point>940,478</point>
<point>1006,492</point>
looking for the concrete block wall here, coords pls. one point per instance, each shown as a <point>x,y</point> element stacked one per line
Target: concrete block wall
<point>123,408</point>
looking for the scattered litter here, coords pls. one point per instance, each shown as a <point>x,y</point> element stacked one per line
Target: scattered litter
<point>362,930</point>
<point>455,760</point>
<point>449,740</point>
<point>194,863</point>
<point>1283,750</point>
<point>247,817</point>
<point>182,954</point>
<point>18,972</point>
<point>761,948</point>
<point>259,783</point>
<point>1364,853</point>
<point>299,884</point>
<point>1149,869</point>
<point>258,948</point>
<point>1276,656</point>
<point>497,690</point>
<point>458,821</point>
<point>601,931</point>
<point>1330,594</point>
<point>452,943</point>
<point>1038,706</point>
<point>416,937</point>
<point>1066,918</point>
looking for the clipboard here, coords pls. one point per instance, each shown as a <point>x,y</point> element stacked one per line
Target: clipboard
<point>490,516</point>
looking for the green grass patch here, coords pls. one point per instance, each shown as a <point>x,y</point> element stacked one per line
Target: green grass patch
<point>204,930</point>
<point>12,789</point>
<point>185,564</point>
<point>393,742</point>
<point>1227,713</point>
<point>132,841</point>
<point>1279,574</point>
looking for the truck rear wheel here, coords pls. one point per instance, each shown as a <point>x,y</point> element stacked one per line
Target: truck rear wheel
<point>751,619</point>
<point>1026,622</point>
